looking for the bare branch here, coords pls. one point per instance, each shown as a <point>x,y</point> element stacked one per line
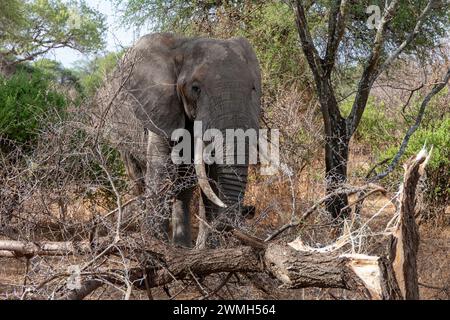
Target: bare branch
<point>420,21</point>
<point>297,221</point>
<point>336,28</point>
<point>436,89</point>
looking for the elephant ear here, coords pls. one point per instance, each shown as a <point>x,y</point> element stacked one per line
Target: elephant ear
<point>244,47</point>
<point>152,83</point>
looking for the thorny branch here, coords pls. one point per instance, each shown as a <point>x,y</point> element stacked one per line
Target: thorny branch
<point>294,264</point>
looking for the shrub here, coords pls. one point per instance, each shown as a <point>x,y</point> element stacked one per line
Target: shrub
<point>376,126</point>
<point>25,99</point>
<point>93,73</point>
<point>436,134</point>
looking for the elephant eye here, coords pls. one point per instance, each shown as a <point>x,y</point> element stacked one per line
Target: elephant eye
<point>196,90</point>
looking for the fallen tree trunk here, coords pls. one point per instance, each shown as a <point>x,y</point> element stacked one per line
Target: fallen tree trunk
<point>294,264</point>
<point>12,248</point>
<point>295,269</point>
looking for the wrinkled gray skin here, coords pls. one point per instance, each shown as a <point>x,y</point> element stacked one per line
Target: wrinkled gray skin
<point>166,82</point>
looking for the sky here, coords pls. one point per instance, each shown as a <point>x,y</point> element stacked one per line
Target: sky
<point>117,36</point>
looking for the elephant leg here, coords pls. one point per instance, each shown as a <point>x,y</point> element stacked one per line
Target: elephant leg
<point>135,172</point>
<point>203,231</point>
<point>181,220</point>
<point>157,201</point>
<point>208,238</point>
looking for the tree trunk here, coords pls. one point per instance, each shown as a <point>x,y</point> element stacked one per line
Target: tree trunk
<point>336,149</point>
<point>336,158</point>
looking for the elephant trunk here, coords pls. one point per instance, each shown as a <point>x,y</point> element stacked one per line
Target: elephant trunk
<point>232,111</point>
<point>232,181</point>
<point>231,176</point>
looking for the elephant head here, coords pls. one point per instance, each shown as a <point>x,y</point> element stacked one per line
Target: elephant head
<point>175,81</point>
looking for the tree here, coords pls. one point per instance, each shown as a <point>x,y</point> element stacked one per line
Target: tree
<point>56,72</point>
<point>27,99</point>
<point>404,27</point>
<point>11,16</point>
<point>29,29</point>
<point>93,72</point>
<point>345,49</point>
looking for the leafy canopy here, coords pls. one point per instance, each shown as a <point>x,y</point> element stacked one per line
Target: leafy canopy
<point>30,28</point>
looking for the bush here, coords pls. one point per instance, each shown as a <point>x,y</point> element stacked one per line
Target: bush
<point>25,99</point>
<point>93,73</point>
<point>57,73</point>
<point>436,134</point>
<point>376,127</point>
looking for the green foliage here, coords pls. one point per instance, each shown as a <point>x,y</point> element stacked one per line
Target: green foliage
<point>55,71</point>
<point>436,134</point>
<point>358,41</point>
<point>35,27</point>
<point>92,73</point>
<point>11,16</point>
<point>25,100</point>
<point>376,127</point>
<point>271,30</point>
<point>165,14</point>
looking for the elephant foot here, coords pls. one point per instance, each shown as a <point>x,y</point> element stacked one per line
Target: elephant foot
<point>181,224</point>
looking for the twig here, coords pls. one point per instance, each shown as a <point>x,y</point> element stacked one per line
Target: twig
<point>117,195</point>
<point>381,189</point>
<point>436,89</point>
<point>199,286</point>
<point>220,286</point>
<point>297,222</point>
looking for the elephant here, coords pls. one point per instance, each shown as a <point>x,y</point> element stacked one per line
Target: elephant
<point>166,82</point>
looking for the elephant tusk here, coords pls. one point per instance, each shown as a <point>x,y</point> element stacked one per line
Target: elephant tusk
<point>201,174</point>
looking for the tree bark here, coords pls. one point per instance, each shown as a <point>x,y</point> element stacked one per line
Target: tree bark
<point>336,148</point>
<point>336,159</point>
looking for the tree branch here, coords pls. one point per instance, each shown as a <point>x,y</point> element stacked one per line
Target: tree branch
<point>336,28</point>
<point>436,89</point>
<point>370,71</point>
<point>420,21</point>
<point>310,51</point>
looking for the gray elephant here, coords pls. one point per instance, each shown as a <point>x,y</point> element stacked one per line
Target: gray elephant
<point>166,82</point>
